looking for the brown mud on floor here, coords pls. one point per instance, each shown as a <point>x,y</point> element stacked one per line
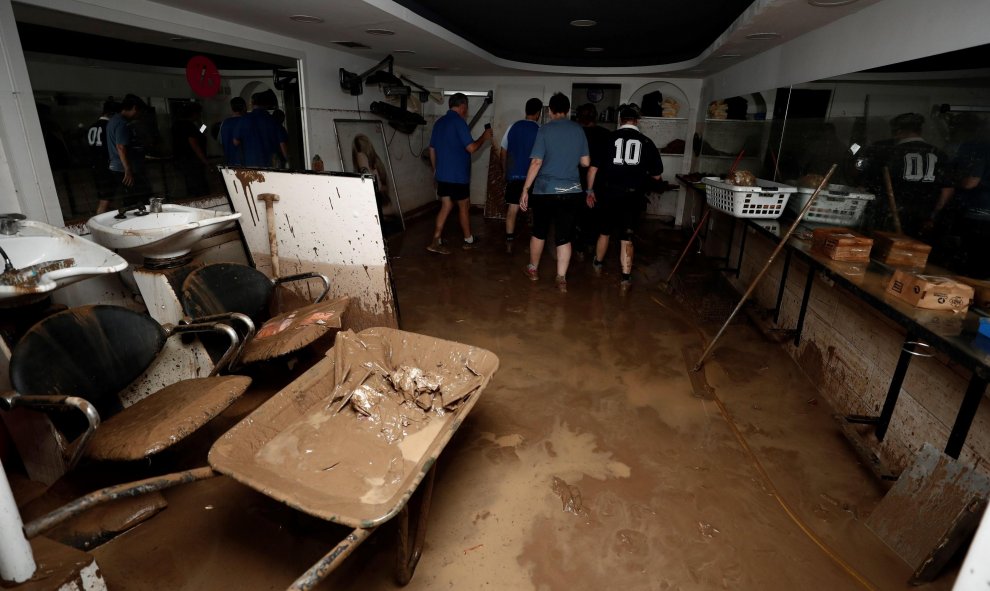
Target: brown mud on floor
<point>588,463</point>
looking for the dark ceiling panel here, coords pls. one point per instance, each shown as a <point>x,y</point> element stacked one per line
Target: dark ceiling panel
<point>632,33</point>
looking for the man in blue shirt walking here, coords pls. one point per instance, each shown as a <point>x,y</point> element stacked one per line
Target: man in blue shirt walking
<point>451,147</point>
<point>125,162</point>
<point>516,147</point>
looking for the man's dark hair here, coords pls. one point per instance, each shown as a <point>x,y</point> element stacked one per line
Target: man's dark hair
<point>907,122</point>
<point>110,107</point>
<point>238,104</point>
<point>587,113</point>
<point>457,99</point>
<point>534,106</point>
<point>131,101</point>
<point>559,103</point>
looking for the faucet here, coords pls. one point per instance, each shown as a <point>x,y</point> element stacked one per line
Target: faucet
<point>10,223</point>
<point>155,204</point>
<point>123,211</point>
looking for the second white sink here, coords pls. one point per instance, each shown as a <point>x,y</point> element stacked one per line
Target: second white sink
<point>169,234</point>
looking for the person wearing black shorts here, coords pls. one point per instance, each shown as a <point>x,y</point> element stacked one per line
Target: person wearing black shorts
<point>516,147</point>
<point>451,147</point>
<point>622,168</point>
<point>559,149</point>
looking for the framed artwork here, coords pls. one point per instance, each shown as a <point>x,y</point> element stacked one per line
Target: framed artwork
<point>362,148</point>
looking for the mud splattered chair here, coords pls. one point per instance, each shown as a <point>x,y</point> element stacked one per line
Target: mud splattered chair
<point>212,293</point>
<point>84,357</point>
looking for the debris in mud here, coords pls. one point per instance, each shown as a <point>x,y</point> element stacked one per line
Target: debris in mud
<point>707,529</point>
<point>570,497</point>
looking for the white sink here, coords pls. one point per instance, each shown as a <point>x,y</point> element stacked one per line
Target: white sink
<point>47,250</point>
<point>169,234</point>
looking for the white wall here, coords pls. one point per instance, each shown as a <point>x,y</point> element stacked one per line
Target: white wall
<point>885,33</point>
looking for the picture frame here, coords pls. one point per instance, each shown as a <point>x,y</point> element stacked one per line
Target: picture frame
<point>363,150</point>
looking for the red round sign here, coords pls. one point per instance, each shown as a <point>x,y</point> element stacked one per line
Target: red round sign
<point>203,76</point>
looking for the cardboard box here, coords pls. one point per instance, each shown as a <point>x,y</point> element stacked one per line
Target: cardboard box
<point>841,244</point>
<point>899,250</point>
<point>981,297</point>
<point>930,292</point>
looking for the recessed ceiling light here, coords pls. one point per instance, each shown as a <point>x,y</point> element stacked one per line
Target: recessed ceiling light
<point>179,39</point>
<point>408,51</point>
<point>306,18</point>
<point>594,49</point>
<point>762,36</point>
<point>583,22</point>
<point>380,32</point>
<point>830,3</point>
<point>431,68</point>
<point>729,55</point>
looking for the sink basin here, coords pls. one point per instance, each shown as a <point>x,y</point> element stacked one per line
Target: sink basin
<point>45,248</point>
<point>166,235</point>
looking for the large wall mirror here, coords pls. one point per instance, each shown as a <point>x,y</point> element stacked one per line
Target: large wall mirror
<point>76,65</point>
<point>924,123</point>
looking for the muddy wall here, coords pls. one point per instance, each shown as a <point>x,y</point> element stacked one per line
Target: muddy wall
<point>850,350</point>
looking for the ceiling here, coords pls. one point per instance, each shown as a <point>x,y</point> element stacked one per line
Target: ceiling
<point>514,37</point>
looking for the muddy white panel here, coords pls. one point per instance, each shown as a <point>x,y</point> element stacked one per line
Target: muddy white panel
<point>16,559</point>
<point>325,222</point>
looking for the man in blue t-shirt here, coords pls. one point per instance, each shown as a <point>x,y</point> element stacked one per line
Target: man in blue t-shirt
<point>516,147</point>
<point>228,131</point>
<point>260,138</point>
<point>451,147</point>
<point>124,161</point>
<point>560,148</point>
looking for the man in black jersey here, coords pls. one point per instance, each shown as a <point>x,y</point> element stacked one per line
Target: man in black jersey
<point>621,167</point>
<point>99,158</point>
<point>916,175</point>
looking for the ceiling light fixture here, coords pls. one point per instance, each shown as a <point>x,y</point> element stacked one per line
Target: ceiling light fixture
<point>431,68</point>
<point>829,3</point>
<point>583,22</point>
<point>406,51</point>
<point>594,49</point>
<point>762,36</point>
<point>382,32</point>
<point>306,18</point>
<point>180,39</point>
<point>729,55</point>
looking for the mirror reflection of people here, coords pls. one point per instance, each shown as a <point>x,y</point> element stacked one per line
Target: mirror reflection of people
<point>916,174</point>
<point>99,157</point>
<point>189,149</point>
<point>126,158</point>
<point>366,161</point>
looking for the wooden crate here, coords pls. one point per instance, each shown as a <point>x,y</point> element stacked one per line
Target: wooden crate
<point>842,244</point>
<point>899,250</point>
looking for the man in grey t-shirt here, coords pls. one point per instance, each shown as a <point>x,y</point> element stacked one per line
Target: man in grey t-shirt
<point>555,184</point>
<point>123,160</point>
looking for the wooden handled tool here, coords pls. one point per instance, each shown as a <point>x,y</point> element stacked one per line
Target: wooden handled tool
<point>889,186</point>
<point>270,199</point>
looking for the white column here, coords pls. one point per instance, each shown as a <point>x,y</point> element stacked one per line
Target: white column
<point>16,560</point>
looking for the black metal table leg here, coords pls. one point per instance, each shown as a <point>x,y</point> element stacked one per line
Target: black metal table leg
<point>894,391</point>
<point>732,236</point>
<point>783,284</point>
<point>804,306</point>
<point>964,418</point>
<point>742,248</point>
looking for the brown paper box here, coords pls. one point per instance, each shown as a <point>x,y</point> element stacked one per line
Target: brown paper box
<point>842,244</point>
<point>930,292</point>
<point>981,298</point>
<point>899,250</point>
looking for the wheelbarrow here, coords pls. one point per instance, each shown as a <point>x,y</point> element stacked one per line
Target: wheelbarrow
<point>314,446</point>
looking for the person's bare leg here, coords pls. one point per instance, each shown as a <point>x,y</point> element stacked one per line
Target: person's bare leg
<point>563,259</point>
<point>535,250</point>
<point>463,209</point>
<point>601,248</point>
<point>103,206</point>
<point>445,207</point>
<point>626,256</point>
<point>510,219</point>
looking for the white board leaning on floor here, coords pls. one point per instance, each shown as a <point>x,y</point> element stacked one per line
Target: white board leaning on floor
<point>325,222</point>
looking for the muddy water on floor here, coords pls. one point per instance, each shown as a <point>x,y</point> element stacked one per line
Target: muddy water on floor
<point>593,410</point>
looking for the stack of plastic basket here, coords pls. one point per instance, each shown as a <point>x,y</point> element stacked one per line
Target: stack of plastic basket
<point>764,201</point>
<point>836,204</point>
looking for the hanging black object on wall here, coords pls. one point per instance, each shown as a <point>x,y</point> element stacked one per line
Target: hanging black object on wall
<point>400,119</point>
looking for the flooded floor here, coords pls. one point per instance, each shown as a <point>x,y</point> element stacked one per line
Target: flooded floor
<point>592,461</point>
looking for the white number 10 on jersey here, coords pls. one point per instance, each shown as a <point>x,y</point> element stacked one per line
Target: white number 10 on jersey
<point>629,153</point>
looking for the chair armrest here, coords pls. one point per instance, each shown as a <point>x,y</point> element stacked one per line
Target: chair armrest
<point>303,277</point>
<point>233,350</point>
<point>72,452</point>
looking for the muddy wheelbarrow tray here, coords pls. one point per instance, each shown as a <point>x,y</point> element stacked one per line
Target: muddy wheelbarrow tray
<point>296,450</point>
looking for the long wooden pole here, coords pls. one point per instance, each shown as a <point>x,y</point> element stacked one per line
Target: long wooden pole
<point>766,267</point>
<point>889,186</point>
